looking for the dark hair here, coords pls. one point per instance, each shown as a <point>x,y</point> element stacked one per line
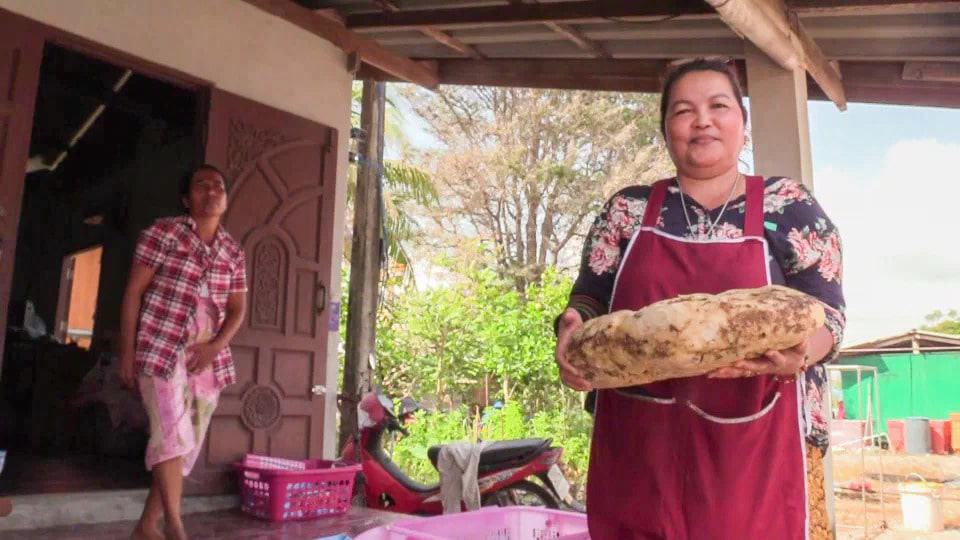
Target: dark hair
<point>187,178</point>
<point>696,65</point>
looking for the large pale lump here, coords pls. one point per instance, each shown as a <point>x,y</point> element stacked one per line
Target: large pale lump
<point>692,335</point>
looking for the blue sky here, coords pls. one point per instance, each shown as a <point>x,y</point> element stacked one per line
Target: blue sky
<point>888,176</point>
<point>857,139</point>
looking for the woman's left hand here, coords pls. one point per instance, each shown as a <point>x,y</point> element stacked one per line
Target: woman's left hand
<point>201,356</point>
<point>785,363</point>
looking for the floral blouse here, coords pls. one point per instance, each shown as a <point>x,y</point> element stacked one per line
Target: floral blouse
<point>805,254</point>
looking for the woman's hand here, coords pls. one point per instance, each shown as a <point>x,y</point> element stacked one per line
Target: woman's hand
<point>128,374</point>
<point>785,363</point>
<point>570,321</point>
<point>201,355</point>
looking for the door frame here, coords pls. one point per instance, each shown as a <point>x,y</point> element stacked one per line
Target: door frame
<point>50,35</point>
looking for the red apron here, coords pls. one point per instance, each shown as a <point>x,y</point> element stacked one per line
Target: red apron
<point>696,458</point>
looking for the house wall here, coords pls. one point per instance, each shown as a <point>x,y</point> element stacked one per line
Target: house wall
<point>238,48</point>
<point>910,385</point>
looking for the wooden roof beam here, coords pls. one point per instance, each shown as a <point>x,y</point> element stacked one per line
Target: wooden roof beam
<point>578,38</point>
<point>453,43</point>
<point>932,71</point>
<point>573,35</point>
<point>864,82</point>
<point>520,13</point>
<point>390,6</point>
<point>624,75</point>
<point>370,51</point>
<point>573,11</point>
<point>780,35</point>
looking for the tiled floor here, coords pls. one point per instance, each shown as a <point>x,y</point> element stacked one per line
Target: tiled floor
<point>227,525</point>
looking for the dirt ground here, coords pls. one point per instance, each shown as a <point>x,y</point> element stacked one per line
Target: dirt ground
<point>883,515</point>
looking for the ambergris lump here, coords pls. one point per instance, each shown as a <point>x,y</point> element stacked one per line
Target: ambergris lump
<point>691,335</point>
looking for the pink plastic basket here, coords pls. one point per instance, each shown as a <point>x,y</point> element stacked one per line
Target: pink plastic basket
<point>511,523</point>
<point>279,489</point>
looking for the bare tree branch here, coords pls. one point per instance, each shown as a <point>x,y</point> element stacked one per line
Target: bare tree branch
<point>523,169</point>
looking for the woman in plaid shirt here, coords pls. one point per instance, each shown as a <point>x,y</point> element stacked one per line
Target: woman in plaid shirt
<point>185,299</point>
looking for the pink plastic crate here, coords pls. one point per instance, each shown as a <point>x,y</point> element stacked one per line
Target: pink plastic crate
<point>279,489</point>
<point>512,523</point>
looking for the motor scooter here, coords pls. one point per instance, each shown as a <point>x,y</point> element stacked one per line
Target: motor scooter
<point>504,475</point>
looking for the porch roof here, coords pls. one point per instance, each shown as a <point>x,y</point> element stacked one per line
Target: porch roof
<point>887,51</point>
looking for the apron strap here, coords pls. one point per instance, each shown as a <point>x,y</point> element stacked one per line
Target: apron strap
<point>655,202</point>
<point>753,220</point>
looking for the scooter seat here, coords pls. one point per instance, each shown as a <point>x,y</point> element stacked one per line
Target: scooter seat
<point>502,453</point>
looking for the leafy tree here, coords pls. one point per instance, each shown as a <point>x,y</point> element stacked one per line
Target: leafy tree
<point>474,341</point>
<point>518,174</point>
<point>429,429</point>
<point>524,170</point>
<point>569,430</point>
<point>405,186</point>
<point>943,323</point>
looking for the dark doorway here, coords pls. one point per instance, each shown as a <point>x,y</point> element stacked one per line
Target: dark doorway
<point>107,150</point>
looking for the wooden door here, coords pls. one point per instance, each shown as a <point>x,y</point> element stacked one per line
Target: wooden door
<point>282,178</point>
<point>21,51</point>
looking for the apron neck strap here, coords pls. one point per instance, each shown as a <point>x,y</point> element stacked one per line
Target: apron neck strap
<point>753,219</point>
<point>657,194</point>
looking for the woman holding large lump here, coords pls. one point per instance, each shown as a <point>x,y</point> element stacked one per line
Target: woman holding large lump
<point>704,310</point>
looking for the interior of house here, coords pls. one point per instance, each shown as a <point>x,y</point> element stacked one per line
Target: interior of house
<point>107,151</point>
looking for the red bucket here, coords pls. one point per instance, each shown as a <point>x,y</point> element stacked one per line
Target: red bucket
<point>940,442</point>
<point>895,432</point>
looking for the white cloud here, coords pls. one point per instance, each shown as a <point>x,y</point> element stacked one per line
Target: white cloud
<point>900,237</point>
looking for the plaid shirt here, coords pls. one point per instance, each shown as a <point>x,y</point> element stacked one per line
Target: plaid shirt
<point>184,266</point>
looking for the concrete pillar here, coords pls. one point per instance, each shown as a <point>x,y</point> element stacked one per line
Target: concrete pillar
<point>781,147</point>
<point>778,106</point>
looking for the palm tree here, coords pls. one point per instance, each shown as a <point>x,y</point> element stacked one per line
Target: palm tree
<point>403,184</point>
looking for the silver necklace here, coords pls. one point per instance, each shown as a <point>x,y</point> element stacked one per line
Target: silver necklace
<point>683,202</point>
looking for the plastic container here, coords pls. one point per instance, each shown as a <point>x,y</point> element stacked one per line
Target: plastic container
<point>940,436</point>
<point>895,433</point>
<point>917,435</point>
<point>922,505</point>
<point>847,433</point>
<point>278,489</point>
<point>955,432</point>
<point>510,523</point>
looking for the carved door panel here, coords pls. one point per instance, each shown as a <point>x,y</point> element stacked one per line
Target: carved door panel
<point>282,174</point>
<point>21,51</point>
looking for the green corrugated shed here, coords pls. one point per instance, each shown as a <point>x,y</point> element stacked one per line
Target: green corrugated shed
<point>919,376</point>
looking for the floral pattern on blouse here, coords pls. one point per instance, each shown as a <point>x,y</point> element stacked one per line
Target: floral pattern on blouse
<point>805,254</point>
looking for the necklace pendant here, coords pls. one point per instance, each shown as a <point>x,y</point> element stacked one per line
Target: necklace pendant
<point>701,233</point>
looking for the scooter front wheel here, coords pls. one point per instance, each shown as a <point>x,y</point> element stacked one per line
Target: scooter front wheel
<point>523,493</point>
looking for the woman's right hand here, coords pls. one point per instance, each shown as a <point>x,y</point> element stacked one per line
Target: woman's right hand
<point>570,322</point>
<point>128,374</point>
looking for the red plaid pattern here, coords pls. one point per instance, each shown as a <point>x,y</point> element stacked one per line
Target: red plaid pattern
<point>183,263</point>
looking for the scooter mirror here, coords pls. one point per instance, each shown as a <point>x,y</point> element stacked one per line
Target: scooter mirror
<point>385,402</point>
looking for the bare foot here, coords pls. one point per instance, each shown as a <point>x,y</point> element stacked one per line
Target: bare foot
<point>176,531</point>
<point>140,532</point>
